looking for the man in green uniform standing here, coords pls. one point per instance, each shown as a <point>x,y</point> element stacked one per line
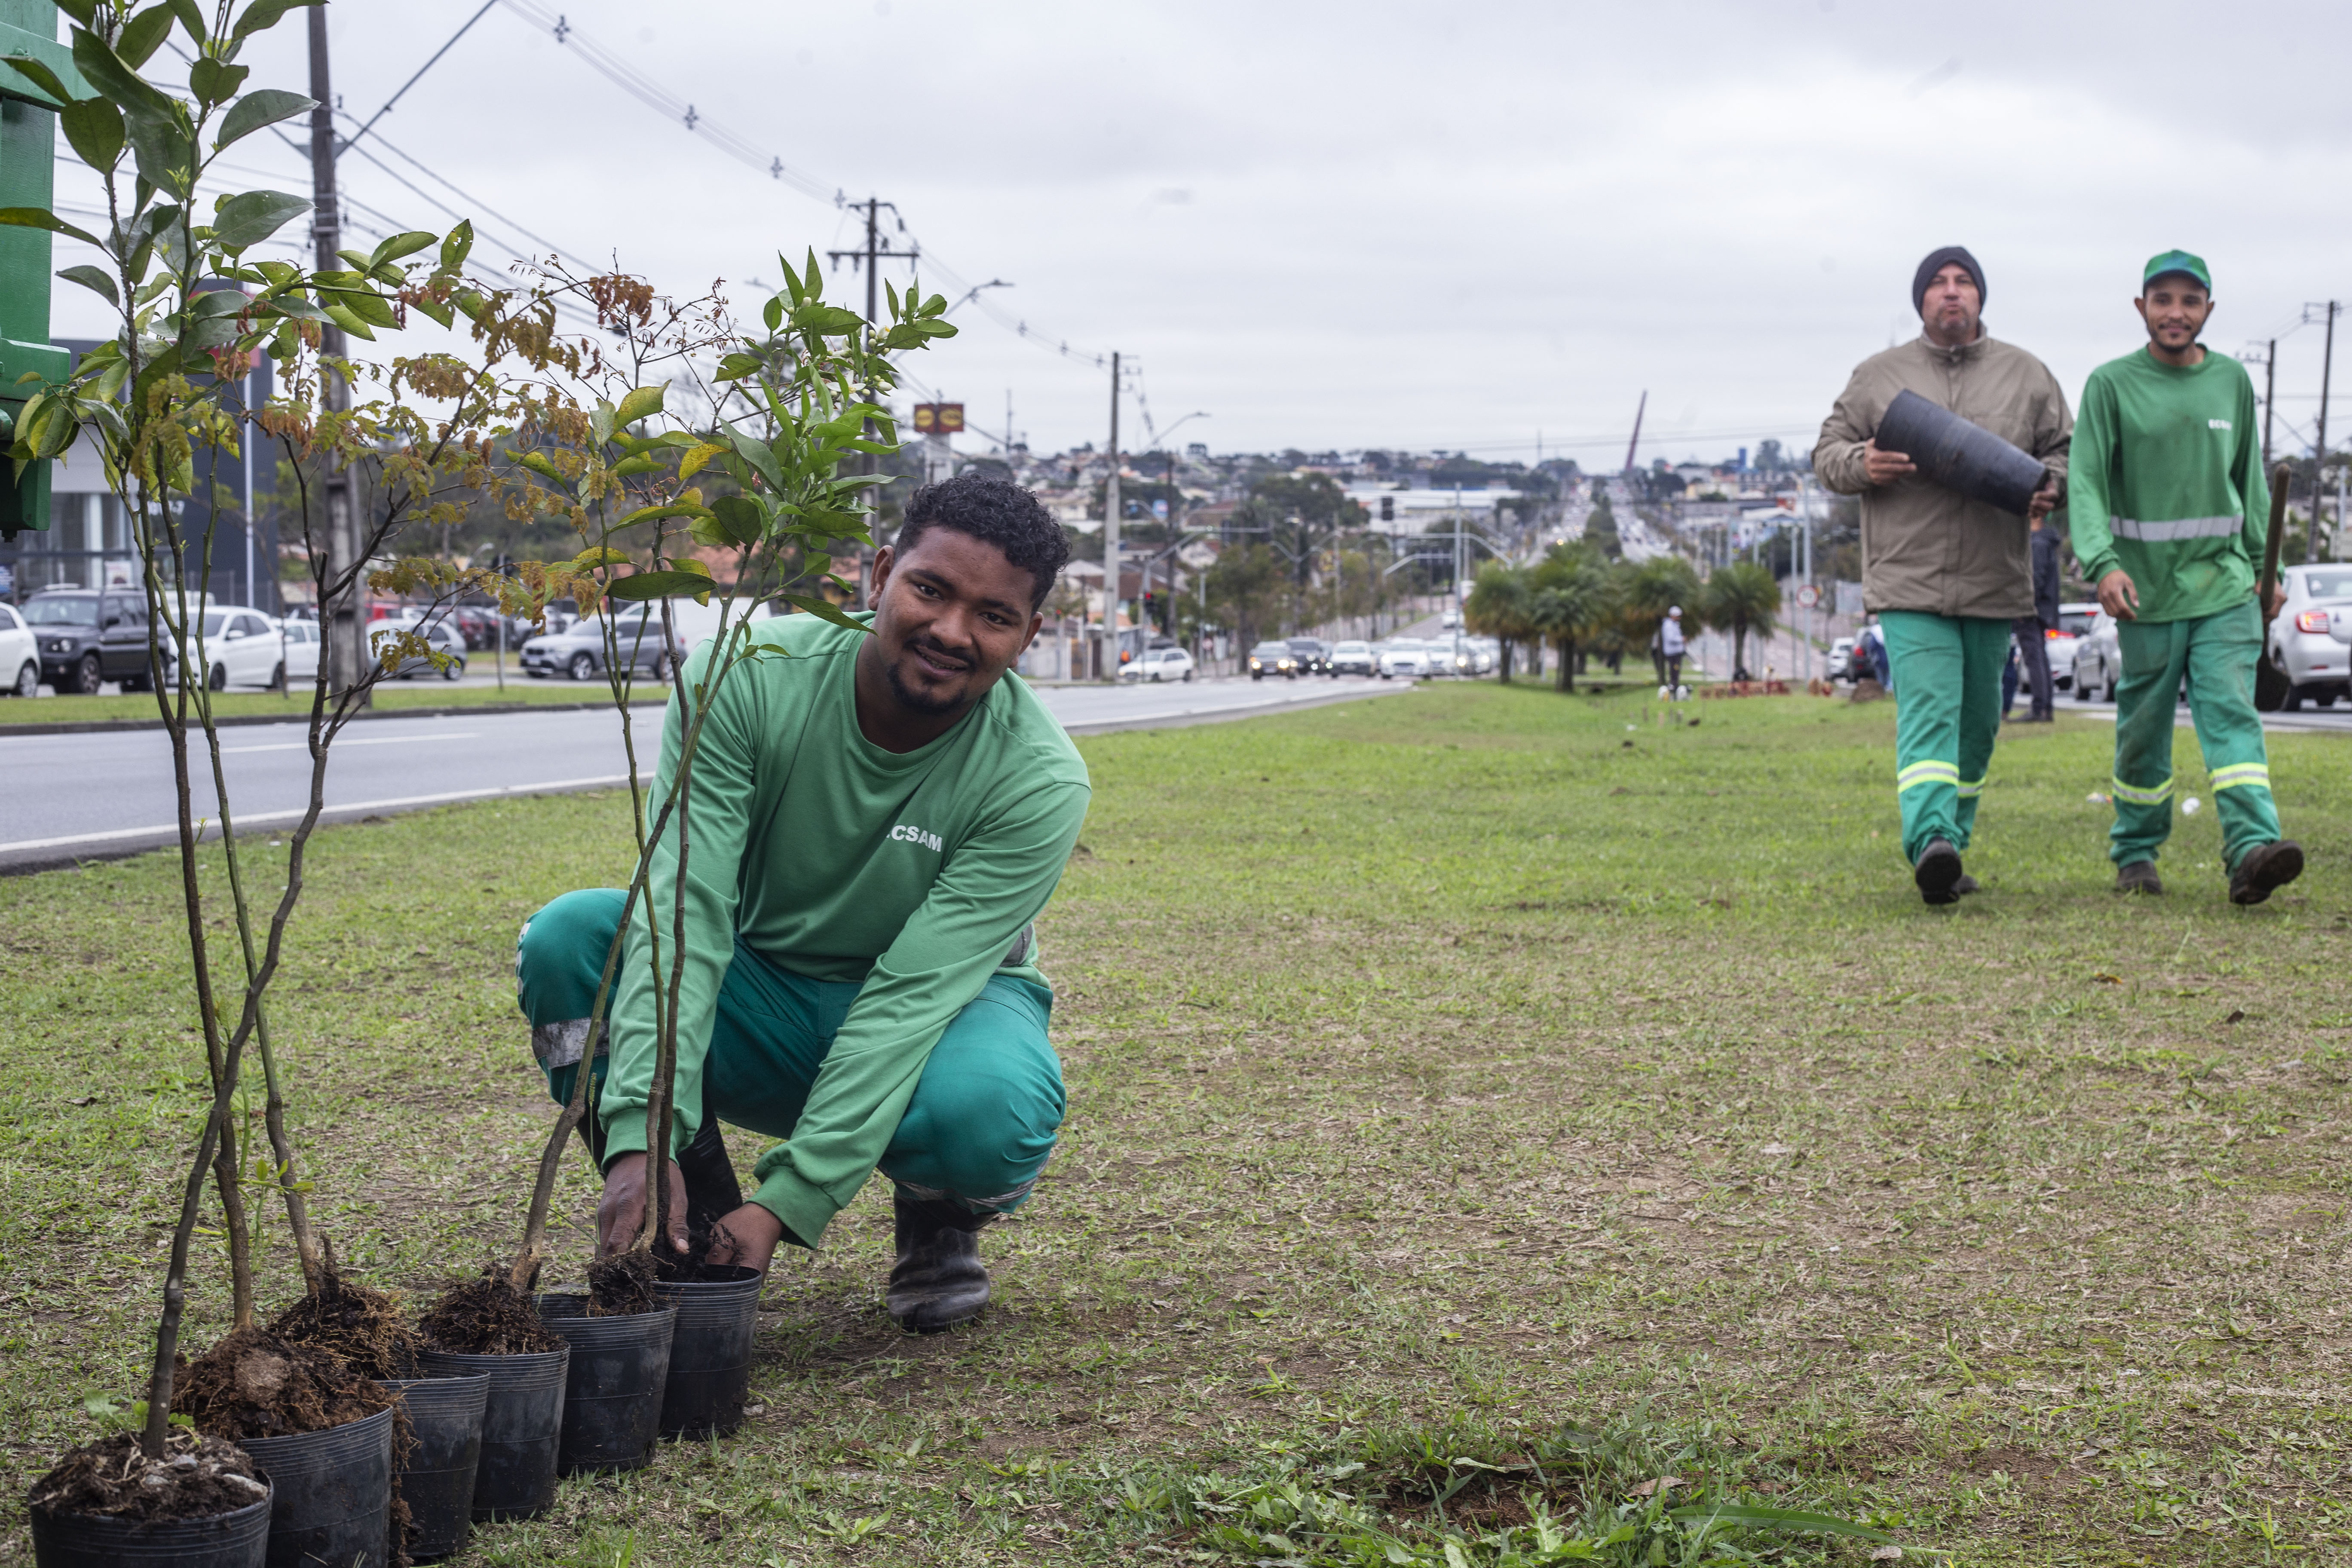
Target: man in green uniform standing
<point>877,817</point>
<point>1946,575</point>
<point>2168,514</point>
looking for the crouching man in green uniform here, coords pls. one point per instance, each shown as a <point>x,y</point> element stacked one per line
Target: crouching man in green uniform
<point>2168,514</point>
<point>876,820</point>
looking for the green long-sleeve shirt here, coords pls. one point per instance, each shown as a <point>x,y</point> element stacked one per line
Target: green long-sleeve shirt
<point>916,874</point>
<point>2167,485</point>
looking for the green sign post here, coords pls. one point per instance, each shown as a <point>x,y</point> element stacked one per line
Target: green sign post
<point>28,134</point>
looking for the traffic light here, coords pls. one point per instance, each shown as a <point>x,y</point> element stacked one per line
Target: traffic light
<point>1151,609</point>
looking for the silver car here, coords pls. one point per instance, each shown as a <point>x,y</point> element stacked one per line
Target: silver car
<point>2303,644</point>
<point>2098,663</point>
<point>1404,656</point>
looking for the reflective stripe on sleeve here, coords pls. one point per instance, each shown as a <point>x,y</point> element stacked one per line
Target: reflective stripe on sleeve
<point>2157,796</point>
<point>1919,773</point>
<point>2177,528</point>
<point>2239,774</point>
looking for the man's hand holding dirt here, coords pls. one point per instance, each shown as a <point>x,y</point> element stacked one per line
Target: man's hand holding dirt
<point>746,1238</point>
<point>621,1213</point>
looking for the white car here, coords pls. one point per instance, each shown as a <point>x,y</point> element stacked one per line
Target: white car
<point>301,652</point>
<point>20,655</point>
<point>1354,658</point>
<point>2098,662</point>
<point>2304,644</point>
<point>1405,657</point>
<point>235,646</point>
<point>1158,664</point>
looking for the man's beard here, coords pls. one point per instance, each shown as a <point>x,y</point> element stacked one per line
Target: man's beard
<point>916,701</point>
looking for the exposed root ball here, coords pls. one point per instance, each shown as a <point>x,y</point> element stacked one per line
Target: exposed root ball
<point>255,1384</point>
<point>363,1328</point>
<point>197,1477</point>
<point>621,1287</point>
<point>486,1316</point>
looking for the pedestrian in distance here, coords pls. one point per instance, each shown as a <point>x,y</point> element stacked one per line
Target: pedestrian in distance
<point>1946,575</point>
<point>878,819</point>
<point>2169,513</point>
<point>2033,632</point>
<point>1671,646</point>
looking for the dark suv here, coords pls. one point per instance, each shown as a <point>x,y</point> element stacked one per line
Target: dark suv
<point>87,635</point>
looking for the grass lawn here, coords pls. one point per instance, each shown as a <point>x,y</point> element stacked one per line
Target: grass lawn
<point>1477,1090</point>
<point>422,693</point>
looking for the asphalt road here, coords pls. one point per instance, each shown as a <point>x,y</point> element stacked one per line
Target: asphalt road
<point>73,797</point>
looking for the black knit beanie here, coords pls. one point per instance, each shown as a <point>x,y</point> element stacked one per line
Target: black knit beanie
<point>1937,261</point>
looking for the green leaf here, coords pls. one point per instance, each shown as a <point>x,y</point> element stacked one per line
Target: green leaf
<point>255,109</point>
<point>735,367</point>
<point>656,513</point>
<point>366,304</point>
<point>190,17</point>
<point>739,519</point>
<point>629,468</point>
<point>91,279</point>
<point>105,70</point>
<point>340,314</point>
<point>93,128</point>
<point>41,76</point>
<point>824,610</point>
<point>670,585</point>
<point>264,13</point>
<point>640,403</point>
<point>166,152</point>
<point>144,35</point>
<point>214,82</point>
<point>756,452</point>
<point>433,309</point>
<point>254,215</point>
<point>544,467</point>
<point>1748,1516</point>
<point>457,246</point>
<point>827,320</point>
<point>42,217</point>
<point>692,463</point>
<point>398,246</point>
<point>773,312</point>
<point>597,556</point>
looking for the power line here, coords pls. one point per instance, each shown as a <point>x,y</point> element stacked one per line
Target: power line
<point>465,196</point>
<point>412,82</point>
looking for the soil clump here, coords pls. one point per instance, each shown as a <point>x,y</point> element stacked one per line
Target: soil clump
<point>693,1267</point>
<point>486,1316</point>
<point>197,1477</point>
<point>363,1328</point>
<point>621,1287</point>
<point>253,1384</point>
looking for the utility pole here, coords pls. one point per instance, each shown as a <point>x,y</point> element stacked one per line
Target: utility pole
<point>2270,398</point>
<point>342,623</point>
<point>878,250</point>
<point>1109,670</point>
<point>2319,452</point>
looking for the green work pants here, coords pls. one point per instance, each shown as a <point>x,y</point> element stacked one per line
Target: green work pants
<point>2216,653</point>
<point>1947,671</point>
<point>985,1109</point>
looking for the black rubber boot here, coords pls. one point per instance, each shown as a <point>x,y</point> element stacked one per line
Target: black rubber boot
<point>2139,877</point>
<point>2264,869</point>
<point>1938,873</point>
<point>939,1280</point>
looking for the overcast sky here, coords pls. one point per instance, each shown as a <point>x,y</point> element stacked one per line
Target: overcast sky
<point>1379,224</point>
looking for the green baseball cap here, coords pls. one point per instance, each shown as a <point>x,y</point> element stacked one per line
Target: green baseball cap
<point>2179,261</point>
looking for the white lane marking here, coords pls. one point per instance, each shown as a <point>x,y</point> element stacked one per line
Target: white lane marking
<point>369,741</point>
<point>171,830</point>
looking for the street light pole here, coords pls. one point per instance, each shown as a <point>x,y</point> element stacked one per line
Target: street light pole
<point>1109,644</point>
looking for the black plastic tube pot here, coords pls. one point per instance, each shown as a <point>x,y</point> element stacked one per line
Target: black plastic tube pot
<point>444,1424</point>
<point>711,1356</point>
<point>612,1400</point>
<point>67,1540</point>
<point>1959,455</point>
<point>522,1424</point>
<point>334,1494</point>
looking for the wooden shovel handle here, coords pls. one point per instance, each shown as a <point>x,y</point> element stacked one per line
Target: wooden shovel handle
<point>2279,476</point>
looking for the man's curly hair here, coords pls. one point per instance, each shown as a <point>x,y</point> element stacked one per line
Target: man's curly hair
<point>996,512</point>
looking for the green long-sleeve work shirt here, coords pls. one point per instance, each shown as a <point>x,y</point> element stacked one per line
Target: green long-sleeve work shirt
<point>2167,483</point>
<point>915,875</point>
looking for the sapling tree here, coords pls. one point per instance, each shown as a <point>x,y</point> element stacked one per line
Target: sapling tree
<point>195,304</point>
<point>782,412</point>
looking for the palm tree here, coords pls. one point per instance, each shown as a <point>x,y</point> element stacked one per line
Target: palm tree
<point>1572,593</point>
<point>1502,605</point>
<point>1657,586</point>
<point>1741,598</point>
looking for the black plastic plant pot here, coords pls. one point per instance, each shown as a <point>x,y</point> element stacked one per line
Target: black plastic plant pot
<point>1959,455</point>
<point>522,1424</point>
<point>333,1501</point>
<point>710,1357</point>
<point>611,1401</point>
<point>444,1423</point>
<point>238,1539</point>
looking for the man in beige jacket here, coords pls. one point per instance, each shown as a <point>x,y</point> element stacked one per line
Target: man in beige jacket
<point>1945,573</point>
